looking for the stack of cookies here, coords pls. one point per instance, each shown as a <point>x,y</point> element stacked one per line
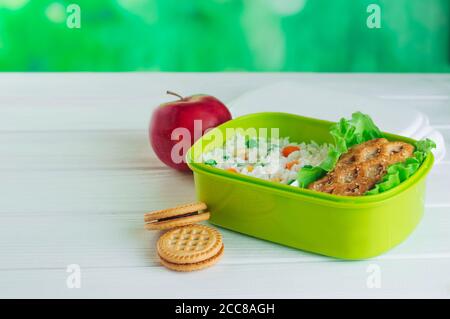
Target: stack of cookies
<point>186,246</point>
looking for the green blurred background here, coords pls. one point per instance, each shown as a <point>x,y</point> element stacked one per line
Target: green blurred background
<point>225,35</point>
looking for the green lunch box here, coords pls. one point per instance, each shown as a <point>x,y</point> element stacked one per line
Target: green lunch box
<point>337,226</point>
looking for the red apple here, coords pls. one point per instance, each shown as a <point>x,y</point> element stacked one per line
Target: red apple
<point>172,118</point>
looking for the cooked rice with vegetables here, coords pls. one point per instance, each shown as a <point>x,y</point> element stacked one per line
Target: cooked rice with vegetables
<point>277,160</point>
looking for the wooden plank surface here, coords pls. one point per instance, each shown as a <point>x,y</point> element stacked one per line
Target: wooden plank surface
<point>77,173</point>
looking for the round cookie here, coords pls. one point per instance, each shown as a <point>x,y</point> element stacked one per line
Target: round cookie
<point>196,266</point>
<point>174,211</point>
<point>190,247</point>
<point>176,216</point>
<point>177,221</point>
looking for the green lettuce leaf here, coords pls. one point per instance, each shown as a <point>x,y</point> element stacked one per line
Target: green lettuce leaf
<point>346,133</point>
<point>309,174</point>
<point>398,173</point>
<point>359,129</point>
<point>425,146</point>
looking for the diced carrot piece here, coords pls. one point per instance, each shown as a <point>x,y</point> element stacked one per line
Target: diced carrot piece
<point>290,164</point>
<point>289,149</point>
<point>232,170</point>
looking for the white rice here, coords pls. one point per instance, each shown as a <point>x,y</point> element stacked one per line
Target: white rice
<point>263,158</point>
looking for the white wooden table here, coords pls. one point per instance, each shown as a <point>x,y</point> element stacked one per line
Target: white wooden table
<point>77,173</point>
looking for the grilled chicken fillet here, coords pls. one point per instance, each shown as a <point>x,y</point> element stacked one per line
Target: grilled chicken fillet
<point>364,165</point>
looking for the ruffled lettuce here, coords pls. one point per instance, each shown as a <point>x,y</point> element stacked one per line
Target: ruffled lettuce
<point>359,129</point>
<point>346,133</point>
<point>309,174</point>
<point>399,172</point>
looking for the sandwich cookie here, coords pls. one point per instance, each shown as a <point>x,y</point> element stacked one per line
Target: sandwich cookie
<point>189,248</point>
<point>175,217</point>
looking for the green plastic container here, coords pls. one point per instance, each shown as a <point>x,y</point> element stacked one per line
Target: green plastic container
<point>337,226</point>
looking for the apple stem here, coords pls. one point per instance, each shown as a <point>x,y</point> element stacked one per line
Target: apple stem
<point>175,94</point>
